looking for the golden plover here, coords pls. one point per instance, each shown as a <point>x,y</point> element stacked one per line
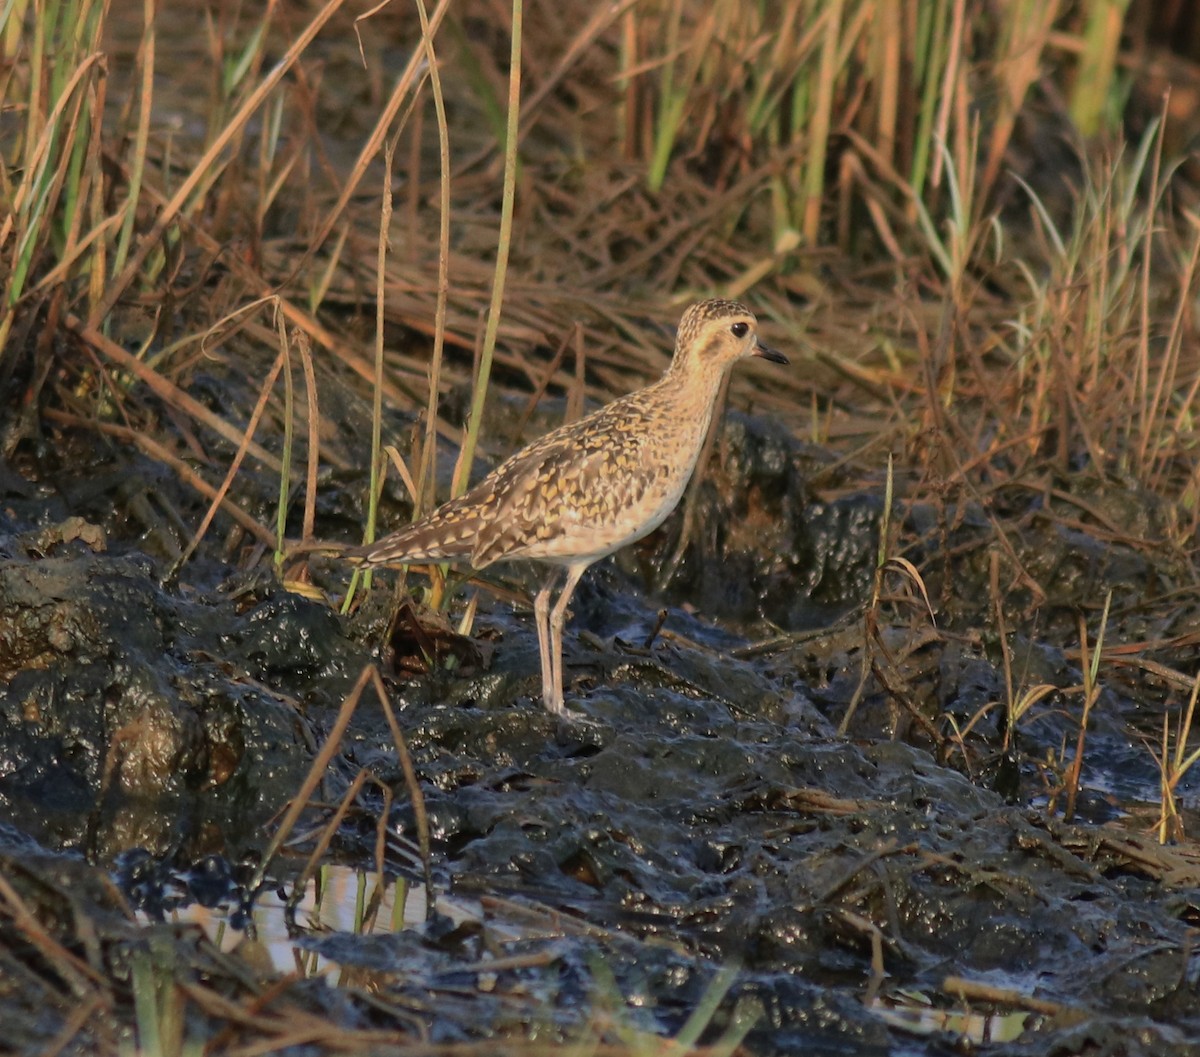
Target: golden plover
<point>588,488</point>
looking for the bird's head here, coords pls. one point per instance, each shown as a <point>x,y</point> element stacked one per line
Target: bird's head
<point>715,334</point>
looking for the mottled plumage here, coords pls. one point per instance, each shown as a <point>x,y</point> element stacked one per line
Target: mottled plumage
<point>588,488</point>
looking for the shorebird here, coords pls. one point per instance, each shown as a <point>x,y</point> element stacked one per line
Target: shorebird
<point>590,487</point>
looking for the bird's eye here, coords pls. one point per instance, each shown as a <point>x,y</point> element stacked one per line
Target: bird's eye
<point>739,329</point>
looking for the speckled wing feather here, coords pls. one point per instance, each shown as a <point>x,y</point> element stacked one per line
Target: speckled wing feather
<point>538,506</point>
<point>505,515</point>
<point>579,491</point>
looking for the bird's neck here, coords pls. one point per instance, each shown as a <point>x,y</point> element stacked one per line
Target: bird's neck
<point>693,382</point>
<point>690,393</point>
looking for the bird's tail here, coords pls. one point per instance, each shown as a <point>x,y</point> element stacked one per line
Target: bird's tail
<point>447,534</point>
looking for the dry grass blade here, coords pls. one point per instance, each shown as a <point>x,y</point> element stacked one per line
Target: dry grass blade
<point>304,348</point>
<point>169,392</point>
<point>427,475</point>
<point>462,471</point>
<point>1102,41</point>
<point>414,788</point>
<point>201,170</point>
<point>146,61</point>
<point>405,86</point>
<point>81,1015</point>
<point>1025,34</point>
<point>1173,762</point>
<point>1090,690</point>
<point>160,453</point>
<point>235,464</point>
<point>325,837</point>
<point>385,223</point>
<point>316,773</point>
<point>821,122</point>
<point>602,17</point>
<point>81,977</point>
<point>971,990</point>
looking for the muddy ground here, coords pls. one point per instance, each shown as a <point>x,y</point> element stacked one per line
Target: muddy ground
<point>892,890</point>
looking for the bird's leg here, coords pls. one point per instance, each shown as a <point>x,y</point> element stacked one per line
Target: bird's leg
<point>558,616</point>
<point>541,615</point>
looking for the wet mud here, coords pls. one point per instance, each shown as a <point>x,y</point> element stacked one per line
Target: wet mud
<point>700,811</point>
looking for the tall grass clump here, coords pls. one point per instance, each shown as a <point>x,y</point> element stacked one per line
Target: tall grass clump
<point>1098,343</point>
<point>861,91</point>
<point>52,95</point>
